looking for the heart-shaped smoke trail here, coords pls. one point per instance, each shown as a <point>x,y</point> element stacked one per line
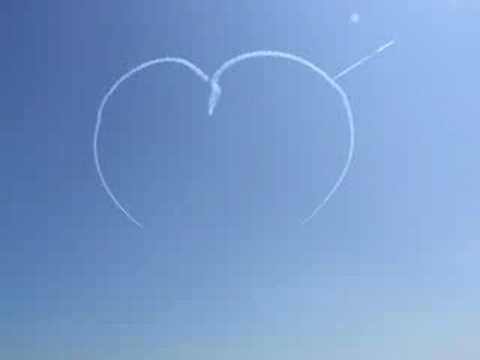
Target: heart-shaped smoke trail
<point>172,60</point>
<point>216,92</point>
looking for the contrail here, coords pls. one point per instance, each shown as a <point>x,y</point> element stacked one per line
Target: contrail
<point>216,92</point>
<point>215,95</point>
<point>104,102</point>
<point>364,60</point>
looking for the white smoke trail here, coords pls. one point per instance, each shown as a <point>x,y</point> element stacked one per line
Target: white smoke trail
<point>215,95</point>
<point>101,108</point>
<point>216,92</point>
<point>363,60</point>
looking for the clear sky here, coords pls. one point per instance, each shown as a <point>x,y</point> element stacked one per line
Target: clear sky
<point>223,268</point>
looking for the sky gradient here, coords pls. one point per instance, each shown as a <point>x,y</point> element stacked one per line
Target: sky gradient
<point>223,268</point>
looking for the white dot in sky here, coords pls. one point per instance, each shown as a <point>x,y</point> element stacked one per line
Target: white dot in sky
<point>355,18</point>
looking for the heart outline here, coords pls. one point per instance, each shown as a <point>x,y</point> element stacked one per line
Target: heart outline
<point>214,98</point>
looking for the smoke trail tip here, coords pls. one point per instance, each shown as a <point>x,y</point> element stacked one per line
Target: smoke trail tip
<point>385,47</point>
<point>214,98</point>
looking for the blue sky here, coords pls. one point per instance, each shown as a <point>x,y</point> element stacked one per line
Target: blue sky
<point>223,268</point>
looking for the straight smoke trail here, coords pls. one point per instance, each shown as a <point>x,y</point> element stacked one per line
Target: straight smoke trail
<point>364,60</point>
